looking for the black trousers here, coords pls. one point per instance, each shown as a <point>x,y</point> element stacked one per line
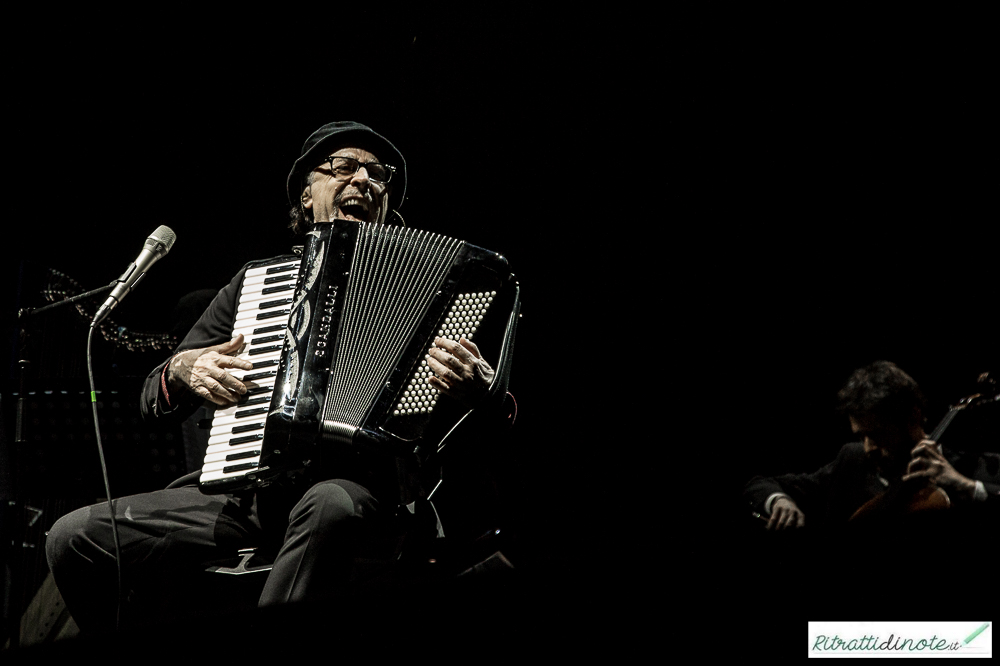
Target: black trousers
<point>169,534</point>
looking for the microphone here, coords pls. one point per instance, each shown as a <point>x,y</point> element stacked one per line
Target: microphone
<point>155,248</point>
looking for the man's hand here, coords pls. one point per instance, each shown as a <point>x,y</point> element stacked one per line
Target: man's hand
<point>460,370</point>
<point>204,372</point>
<point>785,515</point>
<point>928,465</point>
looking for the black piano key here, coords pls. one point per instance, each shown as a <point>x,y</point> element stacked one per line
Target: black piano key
<point>256,401</point>
<point>265,364</point>
<point>257,390</point>
<point>279,278</point>
<point>260,375</point>
<point>266,291</point>
<point>268,329</point>
<point>267,338</point>
<point>281,269</point>
<point>239,468</point>
<point>243,454</point>
<point>250,412</point>
<point>271,315</point>
<point>247,428</point>
<point>264,350</point>
<point>246,439</point>
<point>267,305</point>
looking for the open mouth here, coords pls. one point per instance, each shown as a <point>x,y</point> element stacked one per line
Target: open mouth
<point>354,209</point>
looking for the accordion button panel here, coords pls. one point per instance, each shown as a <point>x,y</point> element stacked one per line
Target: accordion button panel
<point>237,432</point>
<point>461,321</point>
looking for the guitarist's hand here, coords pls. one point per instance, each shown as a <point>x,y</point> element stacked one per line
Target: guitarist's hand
<point>930,466</point>
<point>785,515</point>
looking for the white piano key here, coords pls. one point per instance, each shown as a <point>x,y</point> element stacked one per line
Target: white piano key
<point>243,318</point>
<point>227,429</point>
<point>253,303</point>
<point>227,436</point>
<point>225,447</point>
<point>240,373</point>
<point>250,326</point>
<point>274,270</point>
<point>259,284</point>
<point>230,411</point>
<point>218,475</point>
<point>218,466</point>
<point>214,456</point>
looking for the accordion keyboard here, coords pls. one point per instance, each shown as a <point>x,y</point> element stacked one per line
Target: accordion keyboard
<point>234,444</point>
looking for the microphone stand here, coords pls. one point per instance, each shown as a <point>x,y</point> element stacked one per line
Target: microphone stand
<point>17,506</point>
<point>29,312</point>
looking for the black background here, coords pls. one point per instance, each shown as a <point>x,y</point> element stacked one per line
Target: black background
<point>714,219</point>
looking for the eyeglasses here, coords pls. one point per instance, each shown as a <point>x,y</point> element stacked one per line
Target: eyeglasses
<point>345,167</point>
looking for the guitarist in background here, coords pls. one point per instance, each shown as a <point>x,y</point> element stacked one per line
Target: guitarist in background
<point>894,470</point>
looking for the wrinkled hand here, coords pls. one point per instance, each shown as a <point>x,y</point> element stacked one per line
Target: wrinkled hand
<point>929,466</point>
<point>785,515</point>
<point>459,370</point>
<point>204,372</point>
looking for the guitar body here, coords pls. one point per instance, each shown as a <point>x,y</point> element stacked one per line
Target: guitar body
<point>894,504</point>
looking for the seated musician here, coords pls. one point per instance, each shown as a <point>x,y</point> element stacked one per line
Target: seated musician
<point>317,527</point>
<point>886,410</point>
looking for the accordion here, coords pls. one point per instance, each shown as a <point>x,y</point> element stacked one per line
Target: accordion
<point>339,338</point>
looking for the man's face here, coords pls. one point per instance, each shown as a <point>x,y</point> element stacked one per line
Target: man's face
<point>887,443</point>
<point>356,197</point>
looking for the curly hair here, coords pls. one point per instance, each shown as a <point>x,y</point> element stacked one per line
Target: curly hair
<point>882,390</point>
<point>301,219</point>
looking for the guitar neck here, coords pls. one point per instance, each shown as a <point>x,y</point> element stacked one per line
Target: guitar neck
<point>945,422</point>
